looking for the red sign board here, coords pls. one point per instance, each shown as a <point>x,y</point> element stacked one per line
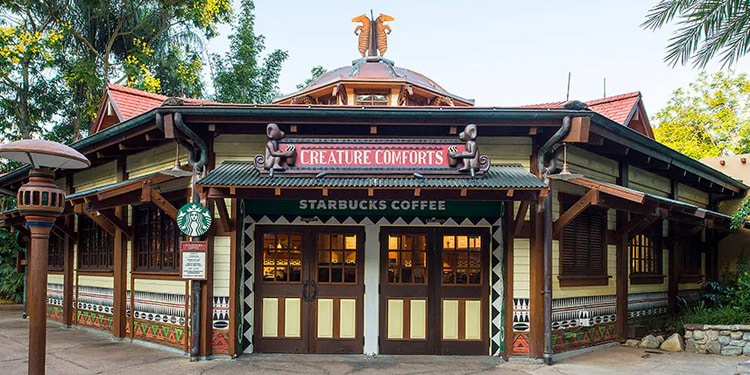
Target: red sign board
<point>193,246</point>
<point>378,155</point>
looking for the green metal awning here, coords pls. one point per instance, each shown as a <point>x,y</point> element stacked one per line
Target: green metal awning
<point>244,174</point>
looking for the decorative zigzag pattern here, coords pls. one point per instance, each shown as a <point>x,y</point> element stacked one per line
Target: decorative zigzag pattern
<point>248,245</point>
<point>647,304</point>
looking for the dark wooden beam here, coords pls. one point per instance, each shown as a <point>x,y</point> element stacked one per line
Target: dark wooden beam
<point>226,223</point>
<point>101,221</point>
<point>520,218</point>
<point>64,231</point>
<point>118,223</point>
<point>575,210</point>
<point>163,204</point>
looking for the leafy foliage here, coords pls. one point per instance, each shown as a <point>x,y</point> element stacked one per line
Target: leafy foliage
<point>709,118</point>
<point>742,214</point>
<point>706,27</point>
<point>315,73</point>
<point>239,77</point>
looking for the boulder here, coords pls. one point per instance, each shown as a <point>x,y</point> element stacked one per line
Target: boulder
<point>698,335</point>
<point>736,335</point>
<point>712,335</point>
<point>724,340</point>
<point>731,350</point>
<point>650,342</point>
<point>660,339</point>
<point>746,350</point>
<point>690,346</point>
<point>673,343</point>
<point>688,335</point>
<point>713,347</point>
<point>633,343</point>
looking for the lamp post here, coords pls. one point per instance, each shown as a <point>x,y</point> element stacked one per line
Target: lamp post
<point>41,202</point>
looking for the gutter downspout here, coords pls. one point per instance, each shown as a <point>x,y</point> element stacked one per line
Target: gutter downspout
<point>197,165</point>
<point>549,149</point>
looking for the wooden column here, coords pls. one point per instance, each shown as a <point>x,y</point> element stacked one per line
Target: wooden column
<point>536,284</point>
<point>674,248</point>
<point>120,266</point>
<point>508,236</point>
<point>235,267</point>
<point>69,263</point>
<point>207,289</point>
<point>622,272</point>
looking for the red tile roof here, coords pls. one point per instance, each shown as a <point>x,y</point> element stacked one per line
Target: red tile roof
<point>128,102</point>
<point>618,108</point>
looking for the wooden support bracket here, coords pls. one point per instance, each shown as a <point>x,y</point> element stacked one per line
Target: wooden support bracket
<point>163,204</point>
<point>575,210</point>
<point>101,221</point>
<point>226,223</point>
<point>118,223</point>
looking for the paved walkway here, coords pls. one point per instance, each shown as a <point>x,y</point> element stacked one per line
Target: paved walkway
<point>80,351</point>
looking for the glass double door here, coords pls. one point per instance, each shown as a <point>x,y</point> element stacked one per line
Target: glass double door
<point>309,285</point>
<point>434,291</point>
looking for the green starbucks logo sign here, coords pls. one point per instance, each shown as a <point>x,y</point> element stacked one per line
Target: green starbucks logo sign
<point>193,219</point>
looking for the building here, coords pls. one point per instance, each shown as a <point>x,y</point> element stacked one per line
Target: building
<point>375,212</point>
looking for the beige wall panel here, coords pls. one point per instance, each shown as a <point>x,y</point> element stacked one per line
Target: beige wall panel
<point>97,176</point>
<point>521,274</point>
<point>507,149</point>
<point>590,164</point>
<point>348,318</point>
<point>418,319</point>
<point>473,324</point>
<point>450,319</point>
<point>160,286</point>
<point>395,319</point>
<point>55,278</point>
<point>649,182</point>
<point>270,317</point>
<point>731,248</point>
<point>154,160</point>
<point>691,195</point>
<point>96,281</point>
<point>325,318</point>
<point>222,257</point>
<point>292,317</point>
<point>580,291</point>
<point>238,147</point>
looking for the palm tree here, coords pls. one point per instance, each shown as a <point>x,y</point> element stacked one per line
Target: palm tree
<point>706,27</point>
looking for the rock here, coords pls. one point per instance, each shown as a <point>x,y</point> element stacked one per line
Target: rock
<point>736,335</point>
<point>746,336</point>
<point>633,343</point>
<point>743,368</point>
<point>724,333</point>
<point>690,346</point>
<point>731,350</point>
<point>746,350</point>
<point>660,339</point>
<point>713,347</point>
<point>712,335</point>
<point>737,343</point>
<point>698,335</point>
<point>688,335</point>
<point>649,342</point>
<point>673,343</point>
<point>724,340</point>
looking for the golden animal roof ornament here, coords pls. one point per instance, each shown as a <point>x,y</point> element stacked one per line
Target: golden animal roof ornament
<point>373,34</point>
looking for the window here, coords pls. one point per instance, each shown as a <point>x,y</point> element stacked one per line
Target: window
<point>95,246</point>
<point>583,248</point>
<point>371,99</point>
<point>462,259</point>
<point>282,257</point>
<point>337,258</point>
<point>646,259</point>
<point>56,252</point>
<point>407,259</point>
<point>156,240</point>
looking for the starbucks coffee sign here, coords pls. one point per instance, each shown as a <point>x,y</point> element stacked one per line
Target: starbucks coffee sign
<point>193,219</point>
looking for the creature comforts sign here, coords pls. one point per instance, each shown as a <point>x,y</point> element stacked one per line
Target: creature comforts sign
<point>427,156</point>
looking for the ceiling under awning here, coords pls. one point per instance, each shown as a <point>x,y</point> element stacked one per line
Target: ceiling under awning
<point>242,180</point>
<point>647,205</point>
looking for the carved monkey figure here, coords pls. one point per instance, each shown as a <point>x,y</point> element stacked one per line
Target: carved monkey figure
<point>275,158</point>
<point>470,157</point>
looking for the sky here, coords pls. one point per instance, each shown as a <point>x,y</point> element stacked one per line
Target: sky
<point>499,52</point>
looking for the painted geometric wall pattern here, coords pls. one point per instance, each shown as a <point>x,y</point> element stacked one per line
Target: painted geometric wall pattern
<point>55,301</point>
<point>566,312</point>
<point>94,306</point>
<point>521,325</point>
<point>647,304</point>
<point>248,278</point>
<point>220,339</point>
<point>160,317</point>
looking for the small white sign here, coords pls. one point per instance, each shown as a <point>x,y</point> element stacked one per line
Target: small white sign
<point>193,265</point>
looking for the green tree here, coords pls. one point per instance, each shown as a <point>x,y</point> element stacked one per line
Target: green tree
<point>706,27</point>
<point>742,214</point>
<point>239,77</point>
<point>29,88</point>
<point>711,117</point>
<point>315,73</point>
